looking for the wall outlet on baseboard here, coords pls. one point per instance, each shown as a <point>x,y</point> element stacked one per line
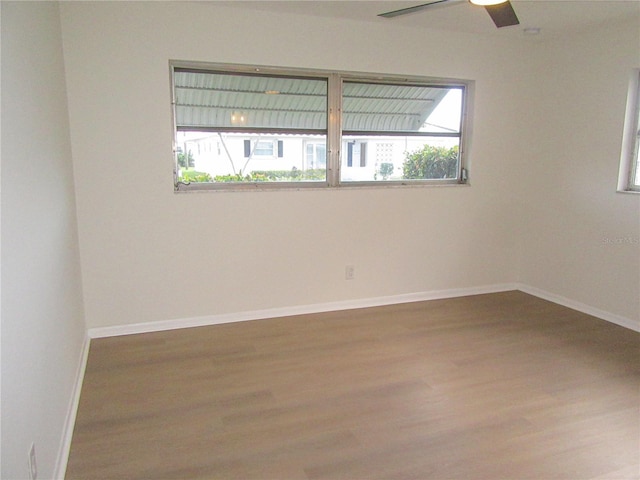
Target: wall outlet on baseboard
<point>33,466</point>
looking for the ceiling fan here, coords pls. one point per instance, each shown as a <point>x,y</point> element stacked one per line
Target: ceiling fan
<point>501,11</point>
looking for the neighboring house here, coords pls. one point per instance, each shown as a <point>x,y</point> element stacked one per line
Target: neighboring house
<point>362,157</point>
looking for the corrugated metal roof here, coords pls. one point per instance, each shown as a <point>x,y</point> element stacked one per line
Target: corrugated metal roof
<point>223,100</point>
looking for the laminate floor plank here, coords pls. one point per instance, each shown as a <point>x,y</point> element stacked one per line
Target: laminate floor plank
<point>497,386</point>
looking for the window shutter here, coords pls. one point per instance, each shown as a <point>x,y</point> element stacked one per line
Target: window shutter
<point>280,149</point>
<point>350,154</point>
<point>363,154</point>
<point>247,148</point>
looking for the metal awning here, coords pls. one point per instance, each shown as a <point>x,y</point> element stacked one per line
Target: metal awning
<point>244,102</point>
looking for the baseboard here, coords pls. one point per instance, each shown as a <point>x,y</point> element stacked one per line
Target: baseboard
<point>581,307</point>
<point>148,327</point>
<point>157,326</point>
<point>70,420</point>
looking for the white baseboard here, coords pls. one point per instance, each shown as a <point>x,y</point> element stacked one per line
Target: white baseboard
<point>70,420</point>
<point>581,307</point>
<point>162,325</point>
<point>147,327</point>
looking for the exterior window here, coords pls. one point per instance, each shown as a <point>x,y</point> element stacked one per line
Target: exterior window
<point>316,155</point>
<point>634,174</point>
<point>629,178</point>
<point>415,130</point>
<point>275,128</point>
<point>252,116</point>
<point>261,148</point>
<point>356,158</point>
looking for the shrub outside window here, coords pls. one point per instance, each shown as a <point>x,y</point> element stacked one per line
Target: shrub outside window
<point>248,127</point>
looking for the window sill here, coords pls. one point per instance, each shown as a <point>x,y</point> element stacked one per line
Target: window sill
<point>290,188</point>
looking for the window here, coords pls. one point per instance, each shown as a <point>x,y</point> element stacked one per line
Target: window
<point>629,177</point>
<point>417,126</point>
<point>276,128</point>
<point>357,150</point>
<point>316,155</point>
<point>263,148</point>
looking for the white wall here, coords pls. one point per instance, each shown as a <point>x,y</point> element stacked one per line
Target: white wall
<point>581,239</point>
<point>545,150</point>
<point>149,254</point>
<point>42,317</point>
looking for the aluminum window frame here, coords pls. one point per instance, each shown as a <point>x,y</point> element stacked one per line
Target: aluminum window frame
<point>334,133</point>
<point>630,156</point>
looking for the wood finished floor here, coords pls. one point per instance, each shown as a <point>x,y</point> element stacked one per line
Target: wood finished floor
<point>499,386</point>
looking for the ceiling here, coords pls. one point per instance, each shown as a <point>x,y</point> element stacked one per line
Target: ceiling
<point>554,18</point>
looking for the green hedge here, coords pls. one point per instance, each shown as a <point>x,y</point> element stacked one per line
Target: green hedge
<point>431,162</point>
<point>293,175</point>
<point>188,176</point>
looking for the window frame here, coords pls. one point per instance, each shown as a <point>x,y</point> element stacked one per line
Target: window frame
<point>334,133</point>
<point>630,156</point>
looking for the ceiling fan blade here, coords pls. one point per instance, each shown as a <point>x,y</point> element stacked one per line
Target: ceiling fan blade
<point>404,11</point>
<point>503,14</point>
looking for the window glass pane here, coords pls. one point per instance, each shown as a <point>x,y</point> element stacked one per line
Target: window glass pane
<point>316,155</point>
<point>237,127</point>
<point>629,172</point>
<point>370,107</point>
<point>263,148</point>
<point>400,132</point>
<point>225,100</point>
<point>399,158</point>
<point>635,173</point>
<point>224,157</point>
<point>320,156</point>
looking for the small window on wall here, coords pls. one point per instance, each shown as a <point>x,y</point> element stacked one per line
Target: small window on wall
<point>263,148</point>
<point>301,128</point>
<point>629,176</point>
<point>316,155</point>
<point>356,154</point>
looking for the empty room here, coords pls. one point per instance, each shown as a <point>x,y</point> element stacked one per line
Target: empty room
<point>320,240</point>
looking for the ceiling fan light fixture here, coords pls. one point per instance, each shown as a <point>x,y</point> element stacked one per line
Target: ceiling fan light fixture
<point>500,11</point>
<point>485,3</point>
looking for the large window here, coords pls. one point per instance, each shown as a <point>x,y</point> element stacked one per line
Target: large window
<point>629,179</point>
<point>248,127</point>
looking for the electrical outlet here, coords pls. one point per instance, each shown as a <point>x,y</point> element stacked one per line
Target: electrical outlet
<point>349,272</point>
<point>33,466</point>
